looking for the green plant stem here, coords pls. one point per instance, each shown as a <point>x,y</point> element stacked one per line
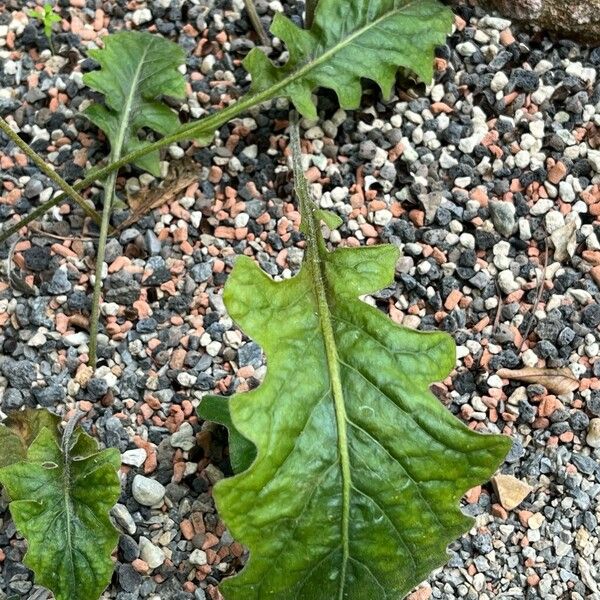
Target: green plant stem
<point>311,7</point>
<point>109,191</point>
<point>39,162</point>
<point>203,127</point>
<point>256,22</point>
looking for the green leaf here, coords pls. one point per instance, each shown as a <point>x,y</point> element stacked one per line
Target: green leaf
<point>330,219</point>
<point>47,16</point>
<point>241,451</point>
<point>137,69</point>
<point>60,503</point>
<point>359,469</point>
<point>20,429</point>
<point>348,41</point>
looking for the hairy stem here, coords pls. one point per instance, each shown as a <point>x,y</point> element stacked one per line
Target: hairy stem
<point>43,166</point>
<point>109,191</point>
<point>200,128</point>
<point>256,22</point>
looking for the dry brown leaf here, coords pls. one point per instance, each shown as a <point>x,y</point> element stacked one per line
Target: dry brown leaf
<point>557,381</point>
<point>181,175</point>
<point>565,241</point>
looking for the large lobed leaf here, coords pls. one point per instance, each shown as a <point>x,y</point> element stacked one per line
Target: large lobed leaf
<point>136,70</point>
<point>60,503</point>
<point>350,40</point>
<point>359,468</point>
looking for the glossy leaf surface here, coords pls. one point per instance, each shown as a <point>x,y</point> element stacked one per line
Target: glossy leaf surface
<point>354,493</point>
<point>136,70</point>
<point>349,40</point>
<point>241,451</point>
<point>59,503</point>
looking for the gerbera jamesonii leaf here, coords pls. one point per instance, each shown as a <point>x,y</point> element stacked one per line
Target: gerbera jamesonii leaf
<point>60,502</point>
<point>137,69</point>
<point>354,493</point>
<point>350,40</point>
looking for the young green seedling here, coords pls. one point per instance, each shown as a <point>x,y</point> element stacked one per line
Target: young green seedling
<point>48,17</point>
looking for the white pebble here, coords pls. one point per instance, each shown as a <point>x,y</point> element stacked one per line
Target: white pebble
<point>499,81</point>
<point>382,217</point>
<point>466,48</point>
<point>507,283</point>
<point>146,491</point>
<point>134,458</point>
<point>541,207</point>
<point>494,381</point>
<point>150,553</point>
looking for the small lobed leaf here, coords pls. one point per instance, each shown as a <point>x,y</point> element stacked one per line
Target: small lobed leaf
<point>136,70</point>
<point>349,41</point>
<point>60,503</point>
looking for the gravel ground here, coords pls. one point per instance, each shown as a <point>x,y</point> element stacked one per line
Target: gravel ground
<point>489,181</point>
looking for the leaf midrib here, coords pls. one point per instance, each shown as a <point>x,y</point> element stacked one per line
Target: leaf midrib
<point>126,113</point>
<point>68,509</point>
<point>315,261</point>
<point>339,403</point>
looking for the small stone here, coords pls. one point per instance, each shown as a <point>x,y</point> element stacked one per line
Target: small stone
<point>12,399</point>
<point>535,521</point>
<point>382,217</point>
<point>123,519</point>
<point>507,283</point>
<point>129,579</point>
<point>566,192</point>
<point>557,173</point>
<point>593,433</point>
<point>524,80</point>
<point>60,283</point>
<point>186,379</point>
<point>511,491</point>
<point>198,557</point>
<point>466,48</point>
<point>503,216</point>
<point>541,207</point>
<point>554,220</point>
<point>497,23</point>
<point>537,129</point>
<point>37,258</point>
<point>499,81</point>
<point>135,457</point>
<point>184,438</point>
<point>76,339</point>
<point>150,553</point>
<point>141,16</point>
<point>146,491</point>
<point>33,188</point>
